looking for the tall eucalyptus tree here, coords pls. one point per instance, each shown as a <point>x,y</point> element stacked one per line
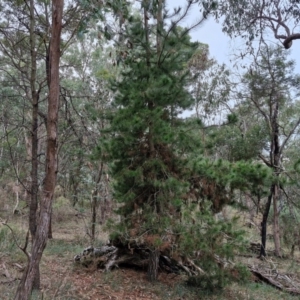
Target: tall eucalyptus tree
<point>271,93</point>
<point>40,239</point>
<point>25,38</point>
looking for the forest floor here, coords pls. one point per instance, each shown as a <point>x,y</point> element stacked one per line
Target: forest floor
<point>62,279</point>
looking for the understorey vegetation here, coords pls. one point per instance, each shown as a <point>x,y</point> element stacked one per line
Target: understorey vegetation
<point>124,143</point>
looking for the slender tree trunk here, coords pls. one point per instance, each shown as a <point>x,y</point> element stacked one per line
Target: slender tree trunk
<point>94,202</point>
<point>34,139</point>
<point>34,135</point>
<point>276,166</point>
<point>34,168</point>
<point>15,210</point>
<point>276,230</point>
<point>50,221</point>
<point>48,76</point>
<point>39,243</point>
<point>75,178</point>
<point>264,224</point>
<point>153,265</point>
<point>50,236</point>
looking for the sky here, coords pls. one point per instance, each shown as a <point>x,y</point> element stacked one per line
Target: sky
<point>221,47</point>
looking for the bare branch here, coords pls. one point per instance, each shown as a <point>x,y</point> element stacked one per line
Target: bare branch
<point>24,249</point>
<point>287,43</point>
<point>265,161</point>
<point>289,135</point>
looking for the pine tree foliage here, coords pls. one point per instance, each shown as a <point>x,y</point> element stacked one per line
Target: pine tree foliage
<point>151,144</point>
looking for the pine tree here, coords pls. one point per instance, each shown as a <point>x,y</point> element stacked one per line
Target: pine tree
<point>167,192</point>
<point>149,148</point>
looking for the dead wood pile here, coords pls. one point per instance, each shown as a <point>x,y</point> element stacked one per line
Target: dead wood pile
<point>284,282</point>
<point>107,257</point>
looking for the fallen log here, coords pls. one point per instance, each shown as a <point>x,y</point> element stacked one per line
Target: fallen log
<point>283,282</point>
<point>108,257</point>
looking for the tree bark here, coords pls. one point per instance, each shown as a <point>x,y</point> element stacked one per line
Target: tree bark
<point>276,230</point>
<point>275,158</point>
<point>34,138</point>
<point>39,243</point>
<point>34,128</point>
<point>95,202</point>
<point>153,265</point>
<point>50,236</point>
<point>264,224</point>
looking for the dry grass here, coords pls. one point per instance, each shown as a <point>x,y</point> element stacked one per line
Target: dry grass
<point>61,279</point>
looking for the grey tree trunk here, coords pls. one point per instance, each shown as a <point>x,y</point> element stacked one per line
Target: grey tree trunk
<point>275,159</point>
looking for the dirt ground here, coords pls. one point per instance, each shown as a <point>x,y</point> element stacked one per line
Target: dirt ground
<point>62,279</point>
